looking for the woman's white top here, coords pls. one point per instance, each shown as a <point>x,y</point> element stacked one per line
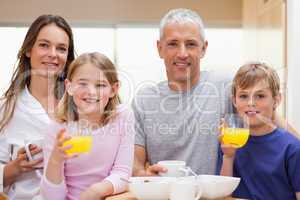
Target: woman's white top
<point>27,125</point>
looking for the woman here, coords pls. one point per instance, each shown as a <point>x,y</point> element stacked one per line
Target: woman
<point>28,104</point>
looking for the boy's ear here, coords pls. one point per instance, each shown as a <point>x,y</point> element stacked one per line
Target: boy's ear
<point>68,86</point>
<point>114,89</point>
<point>277,101</point>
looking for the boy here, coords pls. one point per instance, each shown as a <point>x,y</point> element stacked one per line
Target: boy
<point>269,164</point>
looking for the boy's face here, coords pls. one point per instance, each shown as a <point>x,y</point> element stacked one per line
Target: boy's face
<point>258,105</point>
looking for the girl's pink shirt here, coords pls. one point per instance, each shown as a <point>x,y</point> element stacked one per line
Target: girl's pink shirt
<point>110,159</point>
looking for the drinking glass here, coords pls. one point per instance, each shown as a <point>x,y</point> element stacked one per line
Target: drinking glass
<point>81,139</point>
<point>235,130</point>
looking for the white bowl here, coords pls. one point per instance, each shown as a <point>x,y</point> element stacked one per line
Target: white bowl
<point>151,188</point>
<point>217,186</point>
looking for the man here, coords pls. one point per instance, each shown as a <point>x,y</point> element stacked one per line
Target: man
<point>179,119</point>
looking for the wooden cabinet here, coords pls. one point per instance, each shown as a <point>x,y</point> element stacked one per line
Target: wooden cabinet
<point>264,23</point>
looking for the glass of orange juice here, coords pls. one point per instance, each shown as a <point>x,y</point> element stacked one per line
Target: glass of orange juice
<point>235,130</point>
<point>80,144</point>
<point>3,196</point>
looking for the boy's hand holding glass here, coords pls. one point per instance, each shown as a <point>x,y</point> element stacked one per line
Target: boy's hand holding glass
<point>234,131</point>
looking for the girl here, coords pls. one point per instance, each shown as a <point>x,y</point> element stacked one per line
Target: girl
<point>36,86</point>
<point>91,97</point>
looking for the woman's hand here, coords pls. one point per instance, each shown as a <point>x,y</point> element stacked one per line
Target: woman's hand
<point>20,165</point>
<point>22,161</point>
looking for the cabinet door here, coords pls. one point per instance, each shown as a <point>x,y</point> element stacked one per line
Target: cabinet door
<point>265,36</point>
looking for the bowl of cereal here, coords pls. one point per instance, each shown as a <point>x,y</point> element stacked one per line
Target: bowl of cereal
<point>151,188</point>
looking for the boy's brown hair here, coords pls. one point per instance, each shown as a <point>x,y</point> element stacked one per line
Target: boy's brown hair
<point>250,74</point>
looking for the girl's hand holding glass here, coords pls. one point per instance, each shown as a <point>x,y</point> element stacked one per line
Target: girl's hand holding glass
<point>59,154</point>
<point>79,144</point>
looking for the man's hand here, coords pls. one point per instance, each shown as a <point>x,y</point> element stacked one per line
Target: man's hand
<point>154,170</point>
<point>140,167</point>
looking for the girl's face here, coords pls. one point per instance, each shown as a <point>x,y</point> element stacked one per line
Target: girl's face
<point>90,90</point>
<point>49,53</point>
<point>258,105</point>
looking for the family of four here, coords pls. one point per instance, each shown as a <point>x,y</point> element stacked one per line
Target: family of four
<point>178,119</point>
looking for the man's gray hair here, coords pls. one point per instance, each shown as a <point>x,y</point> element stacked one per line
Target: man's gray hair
<point>182,15</point>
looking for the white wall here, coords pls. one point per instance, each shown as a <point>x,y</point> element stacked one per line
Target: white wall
<point>293,25</point>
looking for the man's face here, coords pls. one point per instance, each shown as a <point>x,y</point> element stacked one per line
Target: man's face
<point>181,48</point>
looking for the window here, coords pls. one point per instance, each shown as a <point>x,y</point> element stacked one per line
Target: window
<point>11,39</point>
<point>132,49</point>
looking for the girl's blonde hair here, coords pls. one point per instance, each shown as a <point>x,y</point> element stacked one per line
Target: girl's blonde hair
<point>250,74</point>
<point>67,110</point>
<point>22,74</point>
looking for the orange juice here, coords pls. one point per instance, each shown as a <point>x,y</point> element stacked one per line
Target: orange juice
<point>3,196</point>
<point>235,136</point>
<point>80,144</point>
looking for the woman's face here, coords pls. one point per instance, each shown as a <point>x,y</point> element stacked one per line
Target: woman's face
<point>49,53</point>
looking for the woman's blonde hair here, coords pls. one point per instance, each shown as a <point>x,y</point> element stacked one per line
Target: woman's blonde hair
<point>67,110</point>
<point>250,74</point>
<point>22,74</point>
